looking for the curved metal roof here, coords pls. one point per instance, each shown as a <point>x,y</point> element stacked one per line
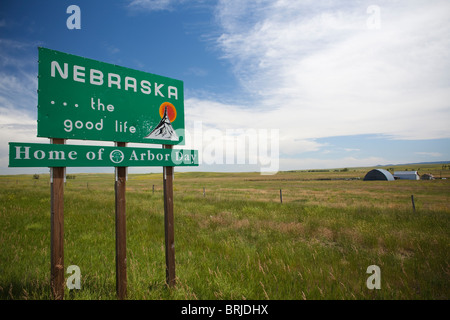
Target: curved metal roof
<point>371,175</point>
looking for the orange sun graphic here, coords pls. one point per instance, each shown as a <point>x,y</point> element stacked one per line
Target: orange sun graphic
<point>171,111</point>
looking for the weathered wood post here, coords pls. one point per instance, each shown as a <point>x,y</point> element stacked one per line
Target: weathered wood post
<point>169,223</point>
<point>121,230</point>
<point>57,229</point>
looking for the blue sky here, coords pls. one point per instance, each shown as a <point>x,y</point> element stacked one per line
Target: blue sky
<point>345,83</point>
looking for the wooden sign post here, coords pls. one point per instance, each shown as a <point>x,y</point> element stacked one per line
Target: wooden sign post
<point>121,230</point>
<point>169,224</point>
<point>57,229</point>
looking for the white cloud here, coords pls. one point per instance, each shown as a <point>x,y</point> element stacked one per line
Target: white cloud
<point>225,117</point>
<point>15,126</point>
<point>152,5</point>
<point>351,149</point>
<point>315,163</point>
<point>322,68</point>
<point>199,72</point>
<point>111,49</point>
<point>430,154</point>
<point>160,5</point>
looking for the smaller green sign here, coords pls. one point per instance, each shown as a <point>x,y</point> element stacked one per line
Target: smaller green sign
<point>64,155</point>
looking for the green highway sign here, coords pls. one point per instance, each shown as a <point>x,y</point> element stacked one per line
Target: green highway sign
<point>80,98</point>
<point>64,155</point>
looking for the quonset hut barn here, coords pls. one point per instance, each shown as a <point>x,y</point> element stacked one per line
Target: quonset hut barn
<point>378,174</point>
<point>406,175</point>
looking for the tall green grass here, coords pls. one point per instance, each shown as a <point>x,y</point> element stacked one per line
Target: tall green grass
<point>237,242</point>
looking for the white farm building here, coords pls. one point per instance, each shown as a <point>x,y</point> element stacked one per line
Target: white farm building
<point>406,175</point>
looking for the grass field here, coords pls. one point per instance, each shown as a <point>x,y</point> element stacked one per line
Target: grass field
<point>236,241</point>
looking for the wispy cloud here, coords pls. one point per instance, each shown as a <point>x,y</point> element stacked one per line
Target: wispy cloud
<point>152,5</point>
<point>320,66</point>
<point>430,154</point>
<point>18,96</point>
<point>111,49</point>
<point>161,5</point>
<point>314,163</point>
<point>199,72</point>
<point>18,82</point>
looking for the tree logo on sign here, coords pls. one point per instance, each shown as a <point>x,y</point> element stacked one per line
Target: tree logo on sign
<point>116,156</point>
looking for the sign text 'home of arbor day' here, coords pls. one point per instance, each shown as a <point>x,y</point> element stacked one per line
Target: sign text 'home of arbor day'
<point>64,155</point>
